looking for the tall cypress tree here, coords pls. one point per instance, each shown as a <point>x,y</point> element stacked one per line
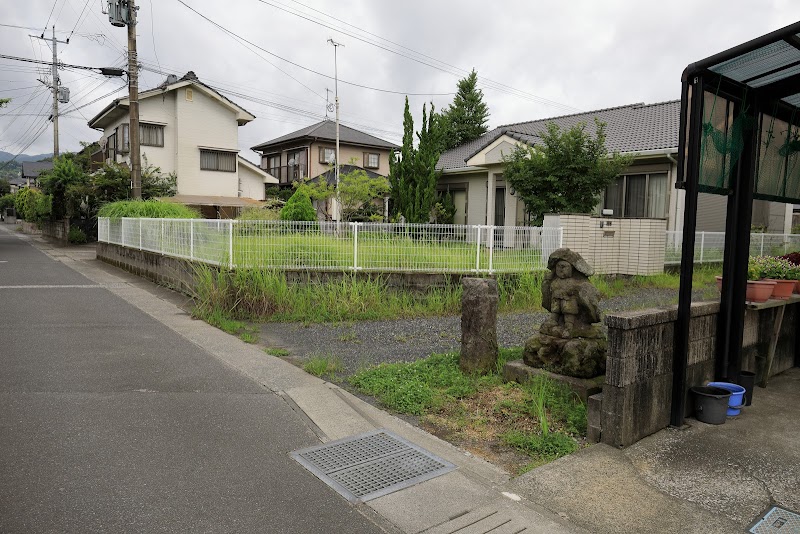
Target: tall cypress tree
<point>467,117</point>
<point>412,174</point>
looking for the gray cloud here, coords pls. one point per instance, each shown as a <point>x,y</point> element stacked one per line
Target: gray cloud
<point>583,54</point>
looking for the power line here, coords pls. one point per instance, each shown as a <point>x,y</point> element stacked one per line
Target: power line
<point>48,17</point>
<point>79,19</point>
<point>491,85</point>
<point>304,67</point>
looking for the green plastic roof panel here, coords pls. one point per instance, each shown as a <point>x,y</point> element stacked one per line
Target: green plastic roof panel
<point>766,67</point>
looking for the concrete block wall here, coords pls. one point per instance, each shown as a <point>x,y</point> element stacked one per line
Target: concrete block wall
<point>637,395</point>
<point>614,245</point>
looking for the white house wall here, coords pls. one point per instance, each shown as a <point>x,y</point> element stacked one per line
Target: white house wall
<point>251,183</point>
<point>204,122</point>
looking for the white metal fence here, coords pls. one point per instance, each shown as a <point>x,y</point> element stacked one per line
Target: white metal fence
<point>710,246</point>
<point>339,246</point>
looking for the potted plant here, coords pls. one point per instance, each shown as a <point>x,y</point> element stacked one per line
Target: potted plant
<point>794,259</point>
<point>758,290</point>
<point>782,272</point>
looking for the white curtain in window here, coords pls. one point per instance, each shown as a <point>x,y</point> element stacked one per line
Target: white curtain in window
<point>657,196</point>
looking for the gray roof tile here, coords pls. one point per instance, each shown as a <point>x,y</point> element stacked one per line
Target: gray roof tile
<point>34,168</point>
<point>326,130</point>
<point>631,128</point>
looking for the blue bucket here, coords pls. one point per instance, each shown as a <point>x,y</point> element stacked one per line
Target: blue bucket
<point>736,401</point>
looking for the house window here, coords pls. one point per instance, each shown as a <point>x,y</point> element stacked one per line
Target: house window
<point>371,160</point>
<point>111,147</point>
<point>274,164</point>
<point>297,164</point>
<point>151,135</point>
<point>638,195</point>
<point>327,155</point>
<point>217,160</point>
<point>125,141</point>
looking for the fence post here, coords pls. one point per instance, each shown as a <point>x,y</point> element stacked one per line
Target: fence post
<point>191,239</point>
<point>230,243</point>
<point>762,245</point>
<point>478,251</point>
<point>702,245</point>
<point>355,245</point>
<point>140,233</point>
<point>560,237</point>
<point>122,231</point>
<point>161,241</point>
<point>491,247</point>
<point>785,244</point>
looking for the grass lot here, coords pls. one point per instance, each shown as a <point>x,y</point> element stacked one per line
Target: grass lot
<point>541,420</point>
<point>265,295</point>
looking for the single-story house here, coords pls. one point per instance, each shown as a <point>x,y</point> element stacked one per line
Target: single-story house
<point>473,172</point>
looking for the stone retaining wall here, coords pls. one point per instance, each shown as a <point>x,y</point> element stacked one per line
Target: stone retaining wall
<point>178,273</point>
<point>637,395</point>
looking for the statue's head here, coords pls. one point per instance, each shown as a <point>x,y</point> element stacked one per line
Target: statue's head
<point>563,269</point>
<point>574,260</point>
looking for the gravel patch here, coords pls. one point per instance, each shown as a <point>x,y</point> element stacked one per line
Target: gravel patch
<point>365,343</point>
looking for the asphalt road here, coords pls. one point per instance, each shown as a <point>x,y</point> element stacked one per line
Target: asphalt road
<point>111,422</point>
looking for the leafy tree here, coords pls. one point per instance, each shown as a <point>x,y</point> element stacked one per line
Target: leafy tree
<point>66,174</point>
<point>444,211</point>
<point>466,118</point>
<point>299,207</point>
<point>412,172</point>
<point>357,190</point>
<point>4,102</point>
<point>566,173</point>
<point>5,187</point>
<point>32,205</point>
<point>6,201</point>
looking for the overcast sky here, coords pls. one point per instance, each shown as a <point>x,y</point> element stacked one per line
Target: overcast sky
<point>534,59</point>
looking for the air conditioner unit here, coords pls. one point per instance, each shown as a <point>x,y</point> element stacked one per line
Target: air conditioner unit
<point>63,94</point>
<point>118,12</point>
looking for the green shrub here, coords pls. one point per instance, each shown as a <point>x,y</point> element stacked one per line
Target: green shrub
<point>299,207</point>
<point>6,201</point>
<point>259,214</point>
<point>149,209</point>
<point>76,236</point>
<point>32,205</point>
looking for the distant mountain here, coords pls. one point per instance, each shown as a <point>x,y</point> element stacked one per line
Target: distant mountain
<point>5,156</point>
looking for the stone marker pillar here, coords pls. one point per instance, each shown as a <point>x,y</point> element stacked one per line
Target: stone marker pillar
<point>478,325</point>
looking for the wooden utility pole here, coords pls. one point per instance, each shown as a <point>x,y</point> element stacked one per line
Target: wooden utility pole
<point>133,98</point>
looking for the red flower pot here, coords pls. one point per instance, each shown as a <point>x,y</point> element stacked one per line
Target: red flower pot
<point>783,288</point>
<point>759,290</point>
<point>797,286</point>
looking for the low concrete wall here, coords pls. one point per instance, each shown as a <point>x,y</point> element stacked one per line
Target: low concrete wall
<point>56,229</point>
<point>637,395</point>
<point>179,274</point>
<point>29,227</point>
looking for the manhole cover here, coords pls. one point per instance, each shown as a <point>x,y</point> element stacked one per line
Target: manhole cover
<point>777,520</point>
<point>370,465</point>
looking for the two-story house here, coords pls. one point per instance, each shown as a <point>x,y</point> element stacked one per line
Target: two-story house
<point>311,152</point>
<point>188,128</point>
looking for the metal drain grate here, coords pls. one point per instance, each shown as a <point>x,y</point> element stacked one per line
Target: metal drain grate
<point>370,465</point>
<point>777,520</point>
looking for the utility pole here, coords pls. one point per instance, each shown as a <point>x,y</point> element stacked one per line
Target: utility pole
<point>336,95</point>
<point>54,85</point>
<point>133,98</point>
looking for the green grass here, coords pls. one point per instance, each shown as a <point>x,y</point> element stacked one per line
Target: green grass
<point>323,365</point>
<point>436,385</point>
<point>419,387</point>
<point>275,351</point>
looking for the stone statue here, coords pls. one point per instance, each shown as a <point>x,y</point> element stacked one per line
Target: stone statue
<point>569,342</point>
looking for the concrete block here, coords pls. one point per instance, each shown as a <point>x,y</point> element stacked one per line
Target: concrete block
<point>518,371</point>
<point>633,412</point>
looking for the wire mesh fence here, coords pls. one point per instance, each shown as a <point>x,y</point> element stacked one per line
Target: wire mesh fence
<point>331,246</point>
<point>709,247</point>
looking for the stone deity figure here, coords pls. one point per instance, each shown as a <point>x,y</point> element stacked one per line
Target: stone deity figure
<point>569,296</point>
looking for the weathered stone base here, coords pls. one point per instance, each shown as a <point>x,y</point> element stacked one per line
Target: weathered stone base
<point>517,371</point>
<point>578,357</point>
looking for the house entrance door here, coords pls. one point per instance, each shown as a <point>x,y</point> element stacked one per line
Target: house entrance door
<point>499,215</point>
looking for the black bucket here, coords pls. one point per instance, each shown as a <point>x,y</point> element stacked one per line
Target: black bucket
<point>747,380</point>
<point>711,404</point>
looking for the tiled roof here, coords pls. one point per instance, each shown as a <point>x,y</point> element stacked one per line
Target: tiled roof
<point>34,168</point>
<point>326,130</point>
<point>631,128</point>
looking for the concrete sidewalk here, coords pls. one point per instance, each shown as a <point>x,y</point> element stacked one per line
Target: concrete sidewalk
<point>701,479</point>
